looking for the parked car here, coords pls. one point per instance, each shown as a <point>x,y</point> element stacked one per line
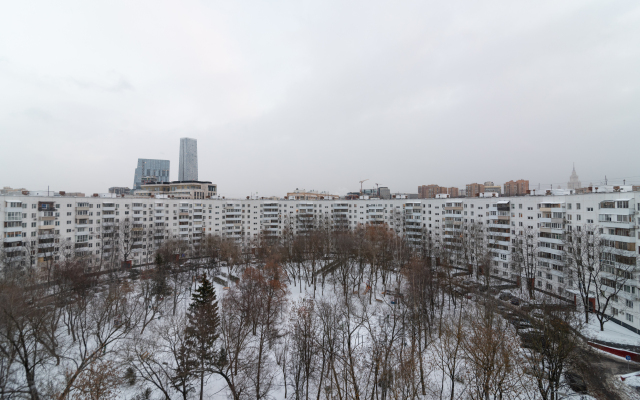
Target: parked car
<point>505,296</point>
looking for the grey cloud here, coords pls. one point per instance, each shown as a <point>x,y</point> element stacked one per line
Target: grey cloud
<point>39,115</point>
<point>323,95</point>
<point>113,82</point>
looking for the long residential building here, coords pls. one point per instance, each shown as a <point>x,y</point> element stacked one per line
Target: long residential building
<point>39,229</point>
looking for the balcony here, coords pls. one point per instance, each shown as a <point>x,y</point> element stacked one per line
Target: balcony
<point>13,239</point>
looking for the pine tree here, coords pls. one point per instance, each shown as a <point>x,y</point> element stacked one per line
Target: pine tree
<point>202,331</point>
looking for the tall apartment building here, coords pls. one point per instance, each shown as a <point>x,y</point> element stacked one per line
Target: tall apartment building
<point>474,189</point>
<point>517,188</point>
<point>188,167</point>
<point>151,170</point>
<point>37,229</point>
<point>489,187</point>
<point>453,192</point>
<point>430,191</point>
<point>574,181</point>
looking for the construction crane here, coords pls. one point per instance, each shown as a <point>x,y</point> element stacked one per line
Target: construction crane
<point>361,185</point>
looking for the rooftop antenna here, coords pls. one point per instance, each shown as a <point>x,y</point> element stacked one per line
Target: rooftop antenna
<point>605,180</point>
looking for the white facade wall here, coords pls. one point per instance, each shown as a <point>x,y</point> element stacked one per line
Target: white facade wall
<point>78,223</point>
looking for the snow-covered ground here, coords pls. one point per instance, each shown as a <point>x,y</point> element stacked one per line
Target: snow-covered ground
<point>612,333</point>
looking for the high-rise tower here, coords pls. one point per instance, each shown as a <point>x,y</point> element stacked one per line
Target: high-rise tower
<point>188,168</point>
<point>574,182</point>
<point>150,170</point>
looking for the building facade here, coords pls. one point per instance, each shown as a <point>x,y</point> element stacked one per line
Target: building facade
<point>431,191</point>
<point>180,190</point>
<point>574,181</point>
<point>489,187</point>
<point>120,190</point>
<point>302,194</point>
<point>474,189</point>
<point>517,188</point>
<point>41,229</point>
<point>188,167</point>
<point>150,169</point>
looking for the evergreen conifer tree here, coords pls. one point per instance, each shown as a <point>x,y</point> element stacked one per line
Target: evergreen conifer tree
<point>202,331</point>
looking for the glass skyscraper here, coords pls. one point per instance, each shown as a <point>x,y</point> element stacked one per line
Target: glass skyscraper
<point>188,168</point>
<point>151,170</point>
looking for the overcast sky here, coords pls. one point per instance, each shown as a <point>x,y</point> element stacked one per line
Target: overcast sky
<point>319,95</point>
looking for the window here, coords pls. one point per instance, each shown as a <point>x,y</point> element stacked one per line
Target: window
<point>629,303</point>
<point>622,204</point>
<point>629,317</point>
<point>577,206</point>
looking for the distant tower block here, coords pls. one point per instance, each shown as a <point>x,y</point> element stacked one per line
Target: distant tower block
<point>188,168</point>
<point>150,170</point>
<point>574,182</point>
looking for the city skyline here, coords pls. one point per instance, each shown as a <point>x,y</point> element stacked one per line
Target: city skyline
<point>625,180</point>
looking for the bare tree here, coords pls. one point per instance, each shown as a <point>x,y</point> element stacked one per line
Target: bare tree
<point>550,348</point>
<point>617,264</point>
<point>583,249</point>
<point>448,353</point>
<point>105,320</point>
<point>524,259</point>
<point>491,351</point>
<point>302,361</point>
<point>98,381</point>
<point>25,336</point>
